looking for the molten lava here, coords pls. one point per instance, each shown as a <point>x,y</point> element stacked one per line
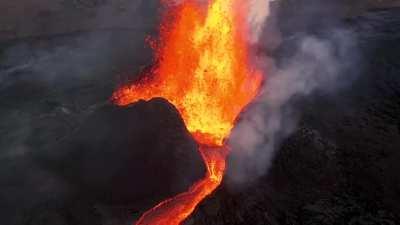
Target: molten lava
<point>202,69</point>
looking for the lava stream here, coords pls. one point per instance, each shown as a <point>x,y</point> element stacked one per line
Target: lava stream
<point>202,69</point>
<point>175,210</point>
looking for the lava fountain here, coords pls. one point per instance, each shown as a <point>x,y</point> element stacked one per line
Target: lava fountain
<point>203,69</point>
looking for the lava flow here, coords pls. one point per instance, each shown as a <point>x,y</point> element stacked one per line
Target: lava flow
<point>203,69</point>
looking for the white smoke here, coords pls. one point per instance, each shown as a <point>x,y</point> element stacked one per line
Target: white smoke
<point>315,64</point>
<point>258,14</point>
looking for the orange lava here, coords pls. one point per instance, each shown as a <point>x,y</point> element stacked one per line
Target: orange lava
<point>175,210</point>
<point>202,69</point>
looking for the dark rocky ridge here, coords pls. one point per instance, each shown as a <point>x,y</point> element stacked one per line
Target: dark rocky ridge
<point>134,156</point>
<point>140,154</point>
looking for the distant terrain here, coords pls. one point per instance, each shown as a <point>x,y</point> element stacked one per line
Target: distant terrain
<point>29,18</point>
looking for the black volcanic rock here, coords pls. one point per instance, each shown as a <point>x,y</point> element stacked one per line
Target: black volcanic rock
<point>139,154</point>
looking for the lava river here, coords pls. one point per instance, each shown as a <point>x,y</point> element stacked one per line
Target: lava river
<point>203,69</point>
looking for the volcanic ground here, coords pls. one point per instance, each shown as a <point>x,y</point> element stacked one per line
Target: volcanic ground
<point>70,157</point>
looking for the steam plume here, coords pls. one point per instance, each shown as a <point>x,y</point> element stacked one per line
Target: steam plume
<point>259,11</point>
<point>316,63</point>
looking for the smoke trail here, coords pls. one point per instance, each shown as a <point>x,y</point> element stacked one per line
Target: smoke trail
<point>258,14</point>
<point>316,63</point>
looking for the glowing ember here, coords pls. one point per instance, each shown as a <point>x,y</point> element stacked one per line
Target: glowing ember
<point>204,71</point>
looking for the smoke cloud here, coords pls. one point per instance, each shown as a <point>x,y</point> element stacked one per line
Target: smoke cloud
<point>259,11</point>
<point>311,63</point>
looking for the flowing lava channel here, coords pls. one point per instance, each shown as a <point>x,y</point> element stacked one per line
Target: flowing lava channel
<point>203,70</point>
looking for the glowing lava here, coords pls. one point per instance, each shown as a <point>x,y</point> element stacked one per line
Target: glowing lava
<point>202,69</point>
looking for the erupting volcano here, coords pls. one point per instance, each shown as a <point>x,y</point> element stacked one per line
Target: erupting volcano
<point>203,69</point>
